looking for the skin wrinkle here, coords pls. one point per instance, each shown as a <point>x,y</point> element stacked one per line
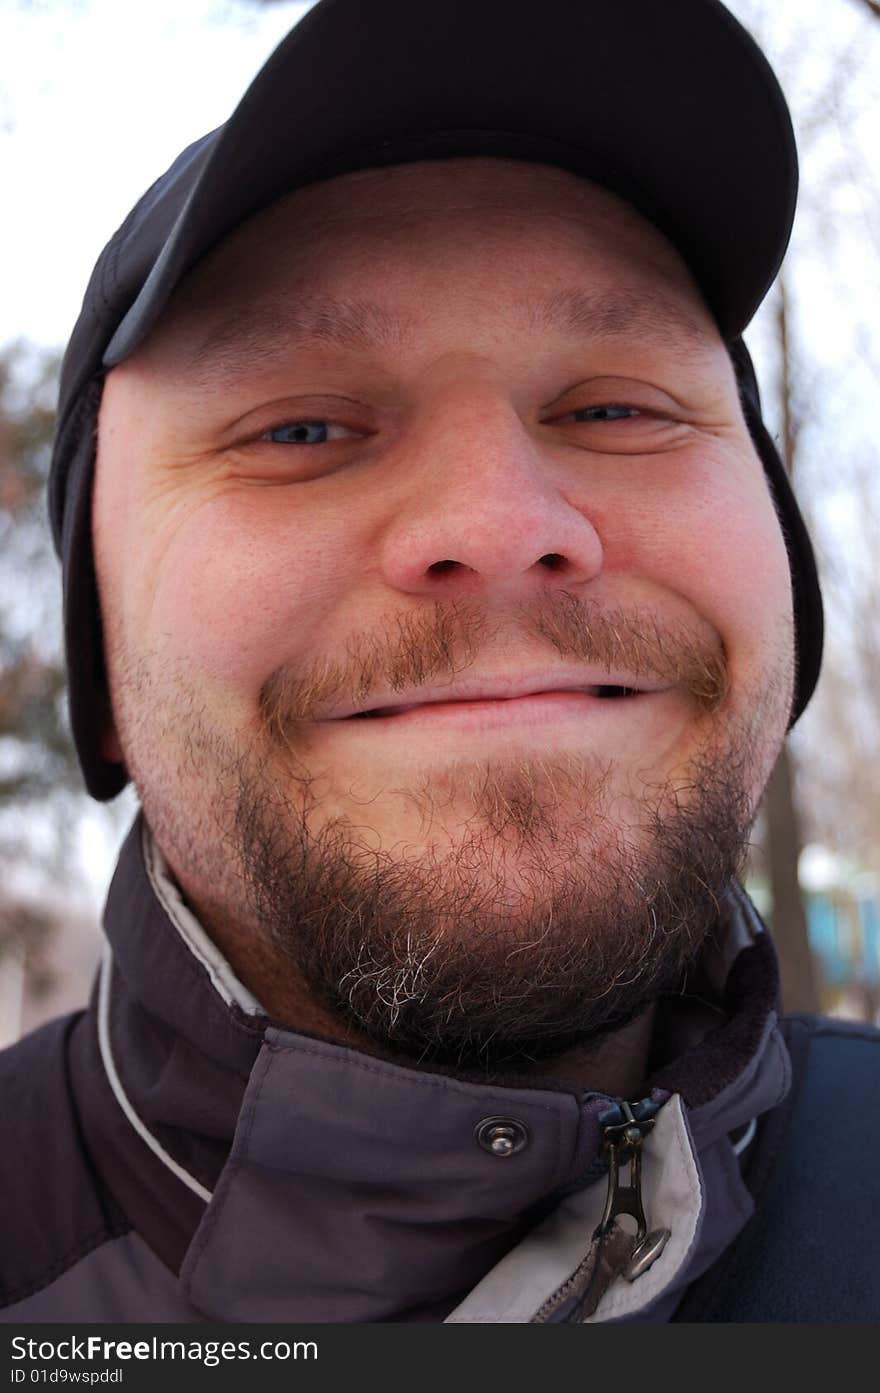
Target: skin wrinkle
<point>481,905</point>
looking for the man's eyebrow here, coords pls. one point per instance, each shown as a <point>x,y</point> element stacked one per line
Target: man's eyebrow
<point>259,335</point>
<point>620,314</point>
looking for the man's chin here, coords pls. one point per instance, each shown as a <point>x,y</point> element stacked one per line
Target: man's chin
<point>546,917</point>
<point>504,805</point>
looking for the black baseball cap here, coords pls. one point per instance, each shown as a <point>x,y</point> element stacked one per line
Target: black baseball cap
<point>671,106</point>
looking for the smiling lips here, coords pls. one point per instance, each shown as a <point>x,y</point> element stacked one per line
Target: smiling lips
<point>605,693</point>
<point>529,711</point>
<point>502,699</point>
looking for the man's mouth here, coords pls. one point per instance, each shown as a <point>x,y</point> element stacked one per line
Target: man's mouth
<point>604,692</point>
<point>517,697</point>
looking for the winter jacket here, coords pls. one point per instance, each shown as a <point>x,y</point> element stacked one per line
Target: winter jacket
<point>171,1154</point>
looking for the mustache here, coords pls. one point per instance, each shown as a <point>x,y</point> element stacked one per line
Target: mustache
<point>440,641</point>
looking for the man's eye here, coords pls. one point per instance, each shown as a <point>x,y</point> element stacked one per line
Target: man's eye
<point>306,433</point>
<point>605,413</point>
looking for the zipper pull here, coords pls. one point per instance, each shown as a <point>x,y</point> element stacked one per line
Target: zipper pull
<point>623,1145</point>
<point>614,1252</point>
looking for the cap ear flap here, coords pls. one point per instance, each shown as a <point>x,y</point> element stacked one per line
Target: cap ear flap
<point>91,717</point>
<point>809,624</point>
<point>746,380</point>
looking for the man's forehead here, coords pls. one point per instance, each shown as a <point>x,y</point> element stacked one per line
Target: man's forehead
<point>463,204</point>
<point>448,185</point>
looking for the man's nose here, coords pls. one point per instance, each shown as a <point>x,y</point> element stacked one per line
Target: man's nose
<point>485,506</point>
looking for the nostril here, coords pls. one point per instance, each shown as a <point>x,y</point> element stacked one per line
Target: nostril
<point>553,561</point>
<point>441,567</point>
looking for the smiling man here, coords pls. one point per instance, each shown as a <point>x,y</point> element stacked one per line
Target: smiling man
<point>430,573</point>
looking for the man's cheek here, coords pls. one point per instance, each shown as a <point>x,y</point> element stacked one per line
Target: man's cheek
<point>728,558</point>
<point>741,582</point>
<point>232,598</point>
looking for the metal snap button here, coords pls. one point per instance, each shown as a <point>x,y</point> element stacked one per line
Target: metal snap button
<point>502,1136</point>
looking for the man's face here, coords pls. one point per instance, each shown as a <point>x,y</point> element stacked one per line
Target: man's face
<point>448,617</point>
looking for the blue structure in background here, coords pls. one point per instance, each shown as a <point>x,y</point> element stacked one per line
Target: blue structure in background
<point>845,936</point>
<point>870,916</point>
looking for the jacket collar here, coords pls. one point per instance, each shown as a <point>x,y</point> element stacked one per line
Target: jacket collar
<point>321,1183</point>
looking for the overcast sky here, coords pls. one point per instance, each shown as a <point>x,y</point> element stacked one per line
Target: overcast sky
<point>98,97</point>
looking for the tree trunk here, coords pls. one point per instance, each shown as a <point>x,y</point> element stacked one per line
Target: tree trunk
<point>800,989</point>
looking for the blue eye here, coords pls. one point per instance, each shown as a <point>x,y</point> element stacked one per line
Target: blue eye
<point>298,433</point>
<point>605,413</point>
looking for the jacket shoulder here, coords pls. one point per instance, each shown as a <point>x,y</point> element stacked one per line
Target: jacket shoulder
<point>53,1210</point>
<point>830,1027</point>
<point>809,1252</point>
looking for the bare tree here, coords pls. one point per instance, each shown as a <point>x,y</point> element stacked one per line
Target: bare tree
<point>38,756</point>
<point>37,765</point>
<point>784,839</point>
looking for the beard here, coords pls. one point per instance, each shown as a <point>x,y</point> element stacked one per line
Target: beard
<point>544,927</point>
<point>570,898</point>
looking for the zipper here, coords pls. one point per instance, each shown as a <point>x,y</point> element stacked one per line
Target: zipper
<point>614,1251</point>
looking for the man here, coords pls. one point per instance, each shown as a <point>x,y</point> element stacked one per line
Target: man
<point>431,574</point>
